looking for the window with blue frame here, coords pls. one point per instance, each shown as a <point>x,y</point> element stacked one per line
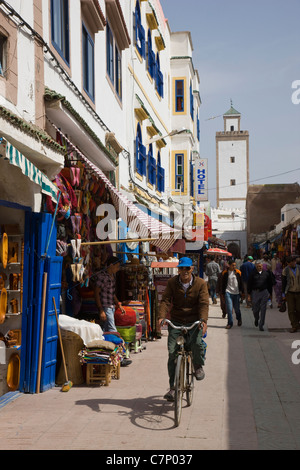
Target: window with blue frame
<point>140,37</point>
<point>159,78</point>
<point>140,151</point>
<point>3,54</point>
<point>191,101</point>
<point>110,53</point>
<point>179,171</point>
<point>160,175</point>
<point>88,63</point>
<point>113,61</point>
<point>192,179</point>
<point>118,83</point>
<point>198,127</point>
<point>179,96</point>
<point>151,166</point>
<point>151,65</point>
<point>60,28</point>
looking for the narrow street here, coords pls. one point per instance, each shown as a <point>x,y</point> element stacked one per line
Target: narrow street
<point>250,399</point>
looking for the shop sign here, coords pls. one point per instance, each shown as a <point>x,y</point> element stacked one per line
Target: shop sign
<point>201,191</point>
<point>198,219</point>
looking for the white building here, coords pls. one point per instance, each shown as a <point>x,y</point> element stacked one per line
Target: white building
<point>162,124</point>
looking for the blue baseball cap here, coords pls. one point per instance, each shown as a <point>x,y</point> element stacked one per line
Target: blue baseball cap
<point>184,263</point>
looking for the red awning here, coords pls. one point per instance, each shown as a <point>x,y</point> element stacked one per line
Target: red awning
<point>138,221</point>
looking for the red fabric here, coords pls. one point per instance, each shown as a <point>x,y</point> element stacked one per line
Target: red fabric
<point>126,319</point>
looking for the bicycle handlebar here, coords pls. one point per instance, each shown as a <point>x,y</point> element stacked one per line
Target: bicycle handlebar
<point>182,327</point>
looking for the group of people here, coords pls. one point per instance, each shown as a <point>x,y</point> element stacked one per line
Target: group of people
<point>186,299</point>
<point>256,282</point>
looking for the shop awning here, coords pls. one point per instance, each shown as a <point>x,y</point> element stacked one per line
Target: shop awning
<point>162,235</point>
<point>28,169</point>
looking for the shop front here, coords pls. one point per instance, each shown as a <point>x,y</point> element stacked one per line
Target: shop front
<point>29,272</point>
<point>94,221</point>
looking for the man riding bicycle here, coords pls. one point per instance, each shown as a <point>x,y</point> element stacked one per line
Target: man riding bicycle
<point>186,298</point>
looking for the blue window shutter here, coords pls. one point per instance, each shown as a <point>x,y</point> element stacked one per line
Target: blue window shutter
<point>160,179</point>
<point>192,178</point>
<point>143,41</point>
<point>160,80</point>
<point>191,102</point>
<point>151,169</point>
<point>143,160</point>
<point>140,36</point>
<point>137,153</point>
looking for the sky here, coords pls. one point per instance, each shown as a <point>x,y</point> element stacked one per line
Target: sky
<point>247,51</point>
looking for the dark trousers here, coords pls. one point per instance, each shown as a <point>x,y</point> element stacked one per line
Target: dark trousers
<point>259,305</point>
<point>293,305</point>
<point>194,342</point>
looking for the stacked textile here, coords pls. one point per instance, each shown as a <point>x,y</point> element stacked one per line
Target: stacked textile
<point>102,352</point>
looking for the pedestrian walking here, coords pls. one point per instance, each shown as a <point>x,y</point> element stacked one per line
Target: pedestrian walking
<point>219,291</point>
<point>212,271</point>
<point>291,292</point>
<point>277,271</point>
<point>246,268</point>
<point>260,284</point>
<point>186,299</point>
<point>232,288</point>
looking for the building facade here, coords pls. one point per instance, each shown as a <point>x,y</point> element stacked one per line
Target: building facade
<point>99,104</point>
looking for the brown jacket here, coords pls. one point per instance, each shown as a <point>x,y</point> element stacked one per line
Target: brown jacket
<point>186,307</point>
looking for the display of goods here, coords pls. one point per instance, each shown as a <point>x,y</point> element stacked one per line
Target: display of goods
<point>138,307</point>
<point>3,304</point>
<point>4,250</point>
<point>13,372</point>
<point>144,327</point>
<point>125,319</point>
<point>127,333</point>
<point>139,332</point>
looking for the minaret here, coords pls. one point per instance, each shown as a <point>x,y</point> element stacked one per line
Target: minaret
<point>232,147</point>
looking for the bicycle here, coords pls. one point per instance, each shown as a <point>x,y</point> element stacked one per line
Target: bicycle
<point>184,372</point>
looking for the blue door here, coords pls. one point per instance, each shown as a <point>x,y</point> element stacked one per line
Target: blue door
<point>48,369</point>
<point>38,237</point>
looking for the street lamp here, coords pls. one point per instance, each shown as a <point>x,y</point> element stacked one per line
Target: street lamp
<point>159,137</point>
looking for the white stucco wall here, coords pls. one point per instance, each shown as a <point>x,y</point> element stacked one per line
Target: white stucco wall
<point>229,171</point>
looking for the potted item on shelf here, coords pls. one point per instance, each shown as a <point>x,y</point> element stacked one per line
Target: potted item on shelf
<point>13,372</point>
<point>3,278</point>
<point>3,304</point>
<point>4,250</point>
<point>13,248</point>
<point>14,281</point>
<point>14,306</point>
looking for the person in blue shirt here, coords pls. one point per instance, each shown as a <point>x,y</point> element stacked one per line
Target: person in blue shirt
<point>246,269</point>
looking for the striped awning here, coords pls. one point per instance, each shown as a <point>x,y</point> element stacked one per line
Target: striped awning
<point>30,170</point>
<point>162,235</point>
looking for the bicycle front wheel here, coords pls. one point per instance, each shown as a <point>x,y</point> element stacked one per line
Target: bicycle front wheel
<point>189,380</point>
<point>179,385</point>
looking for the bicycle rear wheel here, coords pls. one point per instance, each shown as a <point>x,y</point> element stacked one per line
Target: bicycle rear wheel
<point>179,385</point>
<point>189,380</point>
